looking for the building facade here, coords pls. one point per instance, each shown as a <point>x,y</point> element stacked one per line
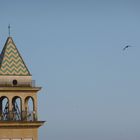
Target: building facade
<point>18,97</point>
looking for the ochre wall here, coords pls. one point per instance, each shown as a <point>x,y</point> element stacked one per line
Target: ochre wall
<point>8,133</point>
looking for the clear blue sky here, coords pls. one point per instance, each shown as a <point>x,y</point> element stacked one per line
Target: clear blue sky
<point>73,48</point>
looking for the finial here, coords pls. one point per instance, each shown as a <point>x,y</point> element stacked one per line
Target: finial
<point>9,27</point>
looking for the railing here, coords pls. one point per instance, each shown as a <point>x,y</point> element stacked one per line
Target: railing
<point>14,116</point>
<point>18,84</point>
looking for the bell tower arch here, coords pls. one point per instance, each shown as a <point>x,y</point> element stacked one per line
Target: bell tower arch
<point>18,97</point>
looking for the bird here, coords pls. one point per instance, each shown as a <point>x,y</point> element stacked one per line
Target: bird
<point>126,47</point>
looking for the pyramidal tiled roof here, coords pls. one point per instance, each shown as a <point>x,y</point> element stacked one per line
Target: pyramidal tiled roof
<point>11,62</point>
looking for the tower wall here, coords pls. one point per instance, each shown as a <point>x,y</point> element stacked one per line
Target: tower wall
<point>19,134</point>
<point>21,81</point>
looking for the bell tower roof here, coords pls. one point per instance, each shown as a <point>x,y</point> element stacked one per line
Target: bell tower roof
<point>11,62</point>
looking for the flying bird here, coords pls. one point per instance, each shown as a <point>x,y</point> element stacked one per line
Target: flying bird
<point>126,47</point>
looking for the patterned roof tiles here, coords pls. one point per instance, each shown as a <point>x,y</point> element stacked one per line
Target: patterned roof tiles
<point>11,62</point>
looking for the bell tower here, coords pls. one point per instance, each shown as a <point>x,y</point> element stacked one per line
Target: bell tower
<point>18,97</point>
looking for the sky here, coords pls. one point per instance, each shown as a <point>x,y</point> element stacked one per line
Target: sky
<point>74,50</point>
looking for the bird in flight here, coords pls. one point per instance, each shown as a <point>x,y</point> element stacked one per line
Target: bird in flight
<point>126,47</point>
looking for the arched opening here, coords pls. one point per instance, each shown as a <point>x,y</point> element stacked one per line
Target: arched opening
<point>4,108</point>
<point>16,108</point>
<point>30,108</point>
<point>29,104</point>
